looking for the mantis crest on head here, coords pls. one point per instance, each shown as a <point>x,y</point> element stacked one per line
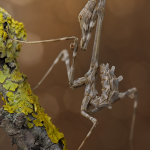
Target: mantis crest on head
<point>92,12</point>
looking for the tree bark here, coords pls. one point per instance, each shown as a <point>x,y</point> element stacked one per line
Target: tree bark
<point>35,138</point>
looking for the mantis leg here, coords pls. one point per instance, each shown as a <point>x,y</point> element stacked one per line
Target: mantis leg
<point>70,70</point>
<point>84,110</point>
<point>131,93</point>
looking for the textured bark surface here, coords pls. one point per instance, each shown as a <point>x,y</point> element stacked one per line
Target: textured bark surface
<point>26,139</point>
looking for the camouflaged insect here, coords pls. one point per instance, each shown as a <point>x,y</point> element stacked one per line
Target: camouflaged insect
<point>20,98</point>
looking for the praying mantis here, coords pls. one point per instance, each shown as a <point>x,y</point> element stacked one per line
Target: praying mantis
<point>93,12</point>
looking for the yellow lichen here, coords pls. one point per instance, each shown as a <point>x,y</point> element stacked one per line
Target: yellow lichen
<point>37,122</point>
<point>4,74</point>
<point>2,77</point>
<point>29,124</point>
<point>16,76</point>
<point>9,85</point>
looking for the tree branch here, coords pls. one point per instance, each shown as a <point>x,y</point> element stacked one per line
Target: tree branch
<point>22,117</point>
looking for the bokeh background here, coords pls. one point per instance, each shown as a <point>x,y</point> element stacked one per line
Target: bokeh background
<point>124,44</point>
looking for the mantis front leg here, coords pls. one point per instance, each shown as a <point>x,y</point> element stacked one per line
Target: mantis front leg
<point>70,70</point>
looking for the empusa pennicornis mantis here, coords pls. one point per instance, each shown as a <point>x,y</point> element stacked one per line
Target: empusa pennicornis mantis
<point>91,13</point>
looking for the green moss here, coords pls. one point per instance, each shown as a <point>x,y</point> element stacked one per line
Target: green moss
<point>20,96</point>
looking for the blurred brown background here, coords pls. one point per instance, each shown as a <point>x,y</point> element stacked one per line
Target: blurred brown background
<point>124,44</point>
